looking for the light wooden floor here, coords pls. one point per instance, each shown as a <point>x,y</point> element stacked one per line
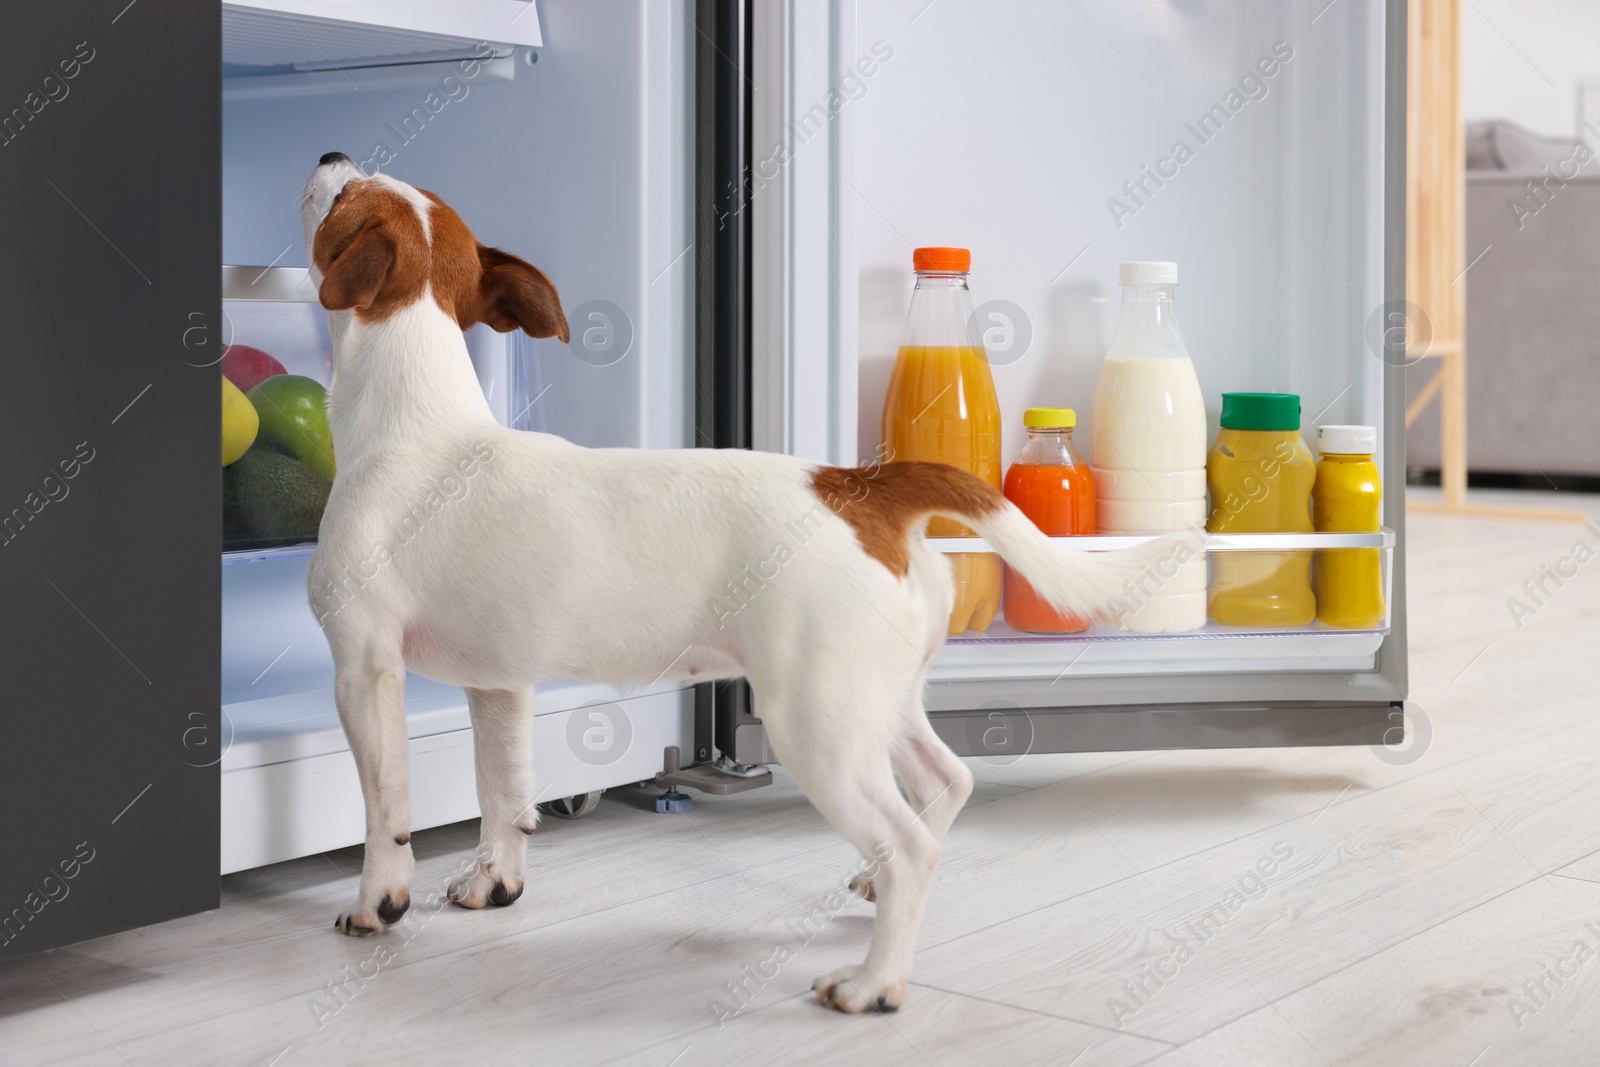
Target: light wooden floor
<point>1444,910</point>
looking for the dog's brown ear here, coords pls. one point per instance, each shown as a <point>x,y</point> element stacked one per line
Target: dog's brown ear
<point>354,279</point>
<point>518,296</point>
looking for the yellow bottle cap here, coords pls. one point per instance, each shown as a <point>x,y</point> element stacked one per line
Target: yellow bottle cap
<point>1050,418</point>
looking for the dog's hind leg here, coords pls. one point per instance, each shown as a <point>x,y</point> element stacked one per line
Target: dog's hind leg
<point>502,729</point>
<point>847,775</point>
<point>371,702</point>
<point>935,780</point>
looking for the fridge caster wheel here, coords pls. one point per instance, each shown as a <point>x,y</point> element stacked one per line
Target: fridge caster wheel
<point>673,802</point>
<point>575,807</point>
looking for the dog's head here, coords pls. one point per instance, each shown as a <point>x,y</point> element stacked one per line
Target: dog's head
<point>377,245</point>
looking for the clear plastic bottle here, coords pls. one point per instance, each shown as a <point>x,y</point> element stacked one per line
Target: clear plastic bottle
<point>1052,485</point>
<point>941,406</point>
<point>1148,448</point>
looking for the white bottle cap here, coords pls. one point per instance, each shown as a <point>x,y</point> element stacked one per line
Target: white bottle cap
<point>1149,273</point>
<point>1347,440</point>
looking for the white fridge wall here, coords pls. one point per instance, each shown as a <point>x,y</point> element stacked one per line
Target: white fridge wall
<point>1007,128</point>
<point>581,164</point>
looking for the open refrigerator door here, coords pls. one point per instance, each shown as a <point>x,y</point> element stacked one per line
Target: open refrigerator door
<point>1259,146</point>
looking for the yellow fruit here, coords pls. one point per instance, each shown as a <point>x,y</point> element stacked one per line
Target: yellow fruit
<point>239,423</point>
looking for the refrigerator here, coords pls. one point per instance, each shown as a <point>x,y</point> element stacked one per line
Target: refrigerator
<point>726,195</point>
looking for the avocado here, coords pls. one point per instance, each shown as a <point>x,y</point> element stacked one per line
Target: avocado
<point>269,499</point>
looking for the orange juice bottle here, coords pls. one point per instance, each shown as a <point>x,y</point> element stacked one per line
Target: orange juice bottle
<point>941,407</point>
<point>1052,485</point>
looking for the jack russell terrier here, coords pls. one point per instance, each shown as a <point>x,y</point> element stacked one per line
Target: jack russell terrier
<point>603,564</point>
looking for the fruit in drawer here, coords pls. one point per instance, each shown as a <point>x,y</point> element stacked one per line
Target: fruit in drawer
<point>270,499</point>
<point>294,420</point>
<point>239,423</point>
<point>247,367</point>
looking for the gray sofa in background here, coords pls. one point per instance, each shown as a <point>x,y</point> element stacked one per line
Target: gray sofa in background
<point>1533,312</point>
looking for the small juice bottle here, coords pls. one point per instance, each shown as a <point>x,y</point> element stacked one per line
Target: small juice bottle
<point>941,407</point>
<point>1348,498</point>
<point>1260,474</point>
<point>1052,485</point>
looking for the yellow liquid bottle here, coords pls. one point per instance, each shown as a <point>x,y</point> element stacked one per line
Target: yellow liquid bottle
<point>1348,498</point>
<point>941,407</point>
<point>1260,476</point>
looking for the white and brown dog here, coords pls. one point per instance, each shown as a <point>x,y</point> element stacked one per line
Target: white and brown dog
<point>604,564</point>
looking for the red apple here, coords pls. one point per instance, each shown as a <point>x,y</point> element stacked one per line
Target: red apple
<point>246,367</point>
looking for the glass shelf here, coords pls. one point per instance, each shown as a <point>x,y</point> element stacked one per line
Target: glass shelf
<point>1267,542</point>
<point>261,555</point>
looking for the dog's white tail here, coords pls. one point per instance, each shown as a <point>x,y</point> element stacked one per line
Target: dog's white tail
<point>890,503</point>
<point>1103,585</point>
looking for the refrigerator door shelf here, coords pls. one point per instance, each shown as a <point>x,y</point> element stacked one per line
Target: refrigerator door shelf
<point>1316,646</point>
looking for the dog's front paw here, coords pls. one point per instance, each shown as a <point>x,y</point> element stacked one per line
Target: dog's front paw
<point>362,921</point>
<point>861,886</point>
<point>852,990</point>
<point>483,887</point>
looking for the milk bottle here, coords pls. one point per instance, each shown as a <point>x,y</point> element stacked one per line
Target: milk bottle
<point>1148,446</point>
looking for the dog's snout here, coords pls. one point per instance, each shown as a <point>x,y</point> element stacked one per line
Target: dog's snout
<point>332,157</point>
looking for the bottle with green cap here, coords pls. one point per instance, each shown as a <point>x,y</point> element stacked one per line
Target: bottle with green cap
<point>1260,475</point>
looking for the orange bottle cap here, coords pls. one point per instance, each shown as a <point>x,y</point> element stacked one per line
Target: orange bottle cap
<point>941,259</point>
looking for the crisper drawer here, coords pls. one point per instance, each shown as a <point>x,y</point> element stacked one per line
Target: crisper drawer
<point>1001,652</point>
<point>289,782</point>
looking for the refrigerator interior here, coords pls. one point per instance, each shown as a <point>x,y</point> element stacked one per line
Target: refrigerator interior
<point>575,155</point>
<point>1051,150</point>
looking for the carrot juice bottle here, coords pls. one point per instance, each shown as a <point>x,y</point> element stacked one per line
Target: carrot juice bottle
<point>1052,485</point>
<point>941,407</point>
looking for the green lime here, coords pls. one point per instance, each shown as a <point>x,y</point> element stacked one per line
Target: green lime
<point>294,420</point>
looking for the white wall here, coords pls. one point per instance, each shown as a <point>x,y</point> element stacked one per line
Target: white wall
<point>1523,59</point>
